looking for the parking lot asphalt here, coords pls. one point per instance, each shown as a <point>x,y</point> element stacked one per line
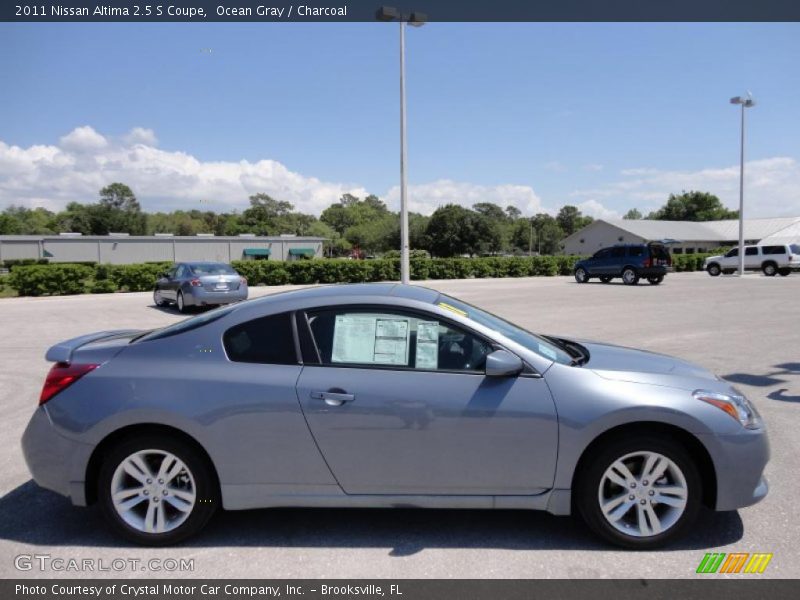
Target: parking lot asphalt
<point>746,330</point>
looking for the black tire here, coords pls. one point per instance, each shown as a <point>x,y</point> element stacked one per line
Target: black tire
<point>606,278</point>
<point>714,270</point>
<point>655,280</point>
<point>206,489</point>
<point>157,299</point>
<point>581,276</point>
<point>770,269</point>
<point>729,271</point>
<point>784,272</point>
<point>630,276</point>
<point>180,303</point>
<point>587,489</point>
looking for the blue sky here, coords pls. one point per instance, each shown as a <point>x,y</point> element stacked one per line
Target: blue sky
<point>606,116</point>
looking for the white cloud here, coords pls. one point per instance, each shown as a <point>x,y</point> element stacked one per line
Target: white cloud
<point>141,135</point>
<point>85,161</point>
<point>427,197</point>
<point>83,139</point>
<point>593,167</point>
<point>595,209</point>
<point>772,187</point>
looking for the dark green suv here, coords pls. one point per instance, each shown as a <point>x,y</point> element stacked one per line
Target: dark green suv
<point>628,261</point>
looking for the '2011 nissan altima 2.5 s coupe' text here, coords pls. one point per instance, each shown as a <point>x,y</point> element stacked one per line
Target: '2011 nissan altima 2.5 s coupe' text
<point>379,395</point>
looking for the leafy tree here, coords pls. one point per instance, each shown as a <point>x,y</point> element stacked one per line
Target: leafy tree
<point>118,210</point>
<point>633,215</point>
<point>513,212</point>
<point>451,231</point>
<point>548,234</point>
<point>570,219</point>
<point>693,206</point>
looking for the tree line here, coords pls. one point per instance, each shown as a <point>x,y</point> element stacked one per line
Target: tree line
<point>353,225</point>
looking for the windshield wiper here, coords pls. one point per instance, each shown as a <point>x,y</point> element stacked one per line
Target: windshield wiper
<point>578,354</point>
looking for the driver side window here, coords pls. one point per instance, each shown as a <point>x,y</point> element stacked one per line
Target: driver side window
<point>388,339</point>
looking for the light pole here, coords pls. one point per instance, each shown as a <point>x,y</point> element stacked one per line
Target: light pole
<point>747,102</point>
<point>388,13</point>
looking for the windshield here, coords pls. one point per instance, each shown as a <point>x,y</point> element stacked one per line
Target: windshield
<point>186,324</point>
<point>531,341</point>
<point>212,269</point>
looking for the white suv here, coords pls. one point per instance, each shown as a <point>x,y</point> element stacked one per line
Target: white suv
<point>779,259</point>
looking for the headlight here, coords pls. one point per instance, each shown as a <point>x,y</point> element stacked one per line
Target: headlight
<point>736,405</point>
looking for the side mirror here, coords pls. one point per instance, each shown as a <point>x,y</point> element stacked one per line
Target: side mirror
<point>502,363</point>
<point>164,275</point>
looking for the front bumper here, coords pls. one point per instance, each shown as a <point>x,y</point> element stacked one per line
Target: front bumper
<point>55,462</point>
<point>739,461</point>
<point>199,296</point>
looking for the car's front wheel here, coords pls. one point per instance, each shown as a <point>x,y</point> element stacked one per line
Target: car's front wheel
<point>629,276</point>
<point>581,276</point>
<point>639,493</point>
<point>714,269</point>
<point>655,280</point>
<point>156,491</point>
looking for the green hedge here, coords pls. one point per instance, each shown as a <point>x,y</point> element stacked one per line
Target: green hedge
<point>19,262</point>
<point>60,279</point>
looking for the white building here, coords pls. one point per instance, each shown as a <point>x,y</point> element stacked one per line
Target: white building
<point>126,249</point>
<point>690,236</point>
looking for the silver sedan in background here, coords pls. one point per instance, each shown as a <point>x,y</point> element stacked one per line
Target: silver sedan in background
<point>382,395</point>
<point>192,284</point>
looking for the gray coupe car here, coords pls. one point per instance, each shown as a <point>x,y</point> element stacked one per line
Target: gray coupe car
<point>381,395</point>
<point>194,284</point>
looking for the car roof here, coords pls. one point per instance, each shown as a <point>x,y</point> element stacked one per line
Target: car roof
<point>341,291</point>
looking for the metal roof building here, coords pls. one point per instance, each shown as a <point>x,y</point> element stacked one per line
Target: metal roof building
<point>692,236</point>
<point>127,249</point>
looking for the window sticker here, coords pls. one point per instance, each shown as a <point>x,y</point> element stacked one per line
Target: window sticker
<point>427,345</point>
<point>548,352</point>
<point>370,339</point>
<point>391,341</point>
<point>353,339</point>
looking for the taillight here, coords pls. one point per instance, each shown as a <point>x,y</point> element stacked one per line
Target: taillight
<point>196,282</point>
<point>647,262</point>
<point>60,377</point>
<point>244,280</point>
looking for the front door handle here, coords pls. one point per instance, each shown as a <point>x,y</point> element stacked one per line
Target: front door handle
<point>333,398</point>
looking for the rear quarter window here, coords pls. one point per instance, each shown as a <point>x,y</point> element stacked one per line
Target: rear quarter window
<point>636,251</point>
<point>773,249</point>
<point>266,340</point>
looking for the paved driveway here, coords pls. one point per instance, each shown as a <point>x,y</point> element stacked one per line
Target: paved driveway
<point>746,330</point>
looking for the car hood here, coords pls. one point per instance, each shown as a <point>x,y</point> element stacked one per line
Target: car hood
<point>618,363</point>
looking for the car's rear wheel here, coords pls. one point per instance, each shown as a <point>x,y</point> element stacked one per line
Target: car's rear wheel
<point>180,303</point>
<point>156,491</point>
<point>770,269</point>
<point>714,270</point>
<point>639,493</point>
<point>606,278</point>
<point>629,276</point>
<point>158,299</point>
<point>655,280</point>
<point>784,272</point>
<point>581,276</point>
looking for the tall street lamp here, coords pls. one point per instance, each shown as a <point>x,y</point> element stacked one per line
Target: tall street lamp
<point>416,19</point>
<point>747,102</point>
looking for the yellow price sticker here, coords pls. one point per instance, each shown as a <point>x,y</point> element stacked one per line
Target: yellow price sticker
<point>451,308</point>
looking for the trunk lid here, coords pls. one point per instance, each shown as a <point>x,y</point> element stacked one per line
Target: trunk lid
<point>95,347</point>
<point>220,283</point>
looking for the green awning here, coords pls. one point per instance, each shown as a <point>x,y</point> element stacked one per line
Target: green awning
<point>257,251</point>
<point>301,252</point>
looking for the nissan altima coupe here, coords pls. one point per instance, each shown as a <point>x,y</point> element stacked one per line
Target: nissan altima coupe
<point>381,395</point>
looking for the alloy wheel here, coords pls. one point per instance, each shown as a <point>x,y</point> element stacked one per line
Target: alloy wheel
<point>153,491</point>
<point>643,494</point>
